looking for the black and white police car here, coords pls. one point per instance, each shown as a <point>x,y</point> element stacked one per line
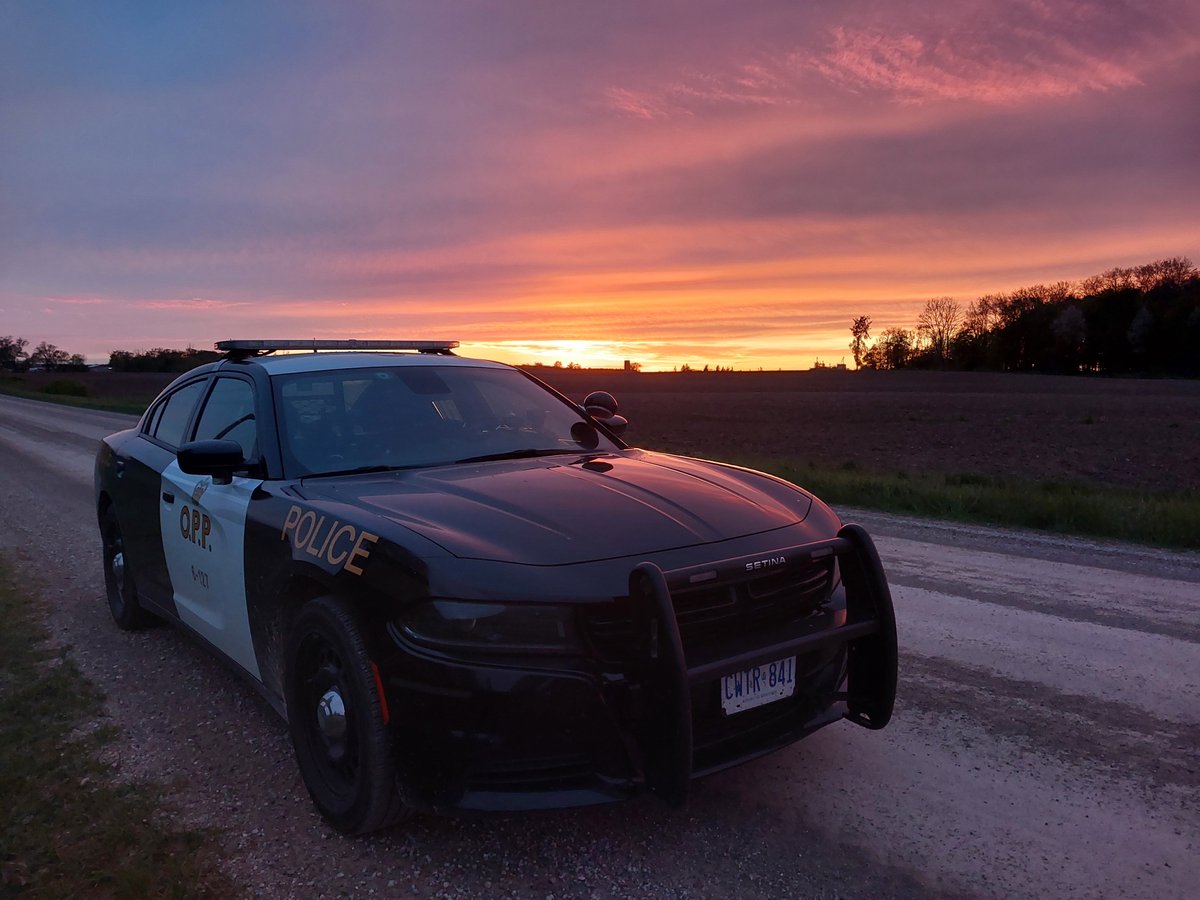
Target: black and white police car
<point>465,591</point>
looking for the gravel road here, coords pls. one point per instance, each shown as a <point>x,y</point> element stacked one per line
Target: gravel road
<point>1045,741</point>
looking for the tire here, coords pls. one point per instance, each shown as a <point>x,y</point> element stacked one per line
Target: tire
<point>336,720</point>
<point>123,603</point>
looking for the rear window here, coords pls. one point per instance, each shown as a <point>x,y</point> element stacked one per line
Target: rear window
<point>167,424</point>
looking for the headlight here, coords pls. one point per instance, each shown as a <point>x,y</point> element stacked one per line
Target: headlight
<point>497,627</point>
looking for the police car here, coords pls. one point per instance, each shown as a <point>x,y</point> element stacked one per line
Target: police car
<point>464,591</point>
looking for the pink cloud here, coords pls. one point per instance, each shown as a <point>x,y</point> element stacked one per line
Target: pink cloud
<point>762,82</point>
<point>192,304</point>
<point>637,104</point>
<point>77,301</point>
<point>963,67</point>
<point>995,53</point>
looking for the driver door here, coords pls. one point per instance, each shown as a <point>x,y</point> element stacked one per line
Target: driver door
<point>204,528</point>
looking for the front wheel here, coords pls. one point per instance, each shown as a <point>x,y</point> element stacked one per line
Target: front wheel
<point>123,603</point>
<point>336,717</point>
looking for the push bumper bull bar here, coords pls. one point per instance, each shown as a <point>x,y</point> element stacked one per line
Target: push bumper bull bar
<point>869,635</point>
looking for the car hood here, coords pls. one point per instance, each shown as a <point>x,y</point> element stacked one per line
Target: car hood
<point>561,510</point>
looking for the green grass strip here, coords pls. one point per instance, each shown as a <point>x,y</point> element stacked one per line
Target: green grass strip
<point>15,388</point>
<point>1078,508</point>
<point>68,828</point>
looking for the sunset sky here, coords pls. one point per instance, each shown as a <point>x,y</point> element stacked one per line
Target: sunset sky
<point>668,182</point>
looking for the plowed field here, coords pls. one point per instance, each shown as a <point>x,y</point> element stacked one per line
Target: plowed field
<point>1138,433</point>
<point>1135,433</point>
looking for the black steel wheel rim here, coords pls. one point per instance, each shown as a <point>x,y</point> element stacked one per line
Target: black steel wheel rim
<point>114,568</point>
<point>325,698</point>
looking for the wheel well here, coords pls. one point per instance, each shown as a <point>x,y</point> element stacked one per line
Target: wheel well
<point>298,591</point>
<point>102,506</point>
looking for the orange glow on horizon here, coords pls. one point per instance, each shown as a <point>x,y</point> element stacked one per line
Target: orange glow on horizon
<point>749,357</point>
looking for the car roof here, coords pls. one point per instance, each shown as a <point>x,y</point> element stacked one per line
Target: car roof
<point>325,361</point>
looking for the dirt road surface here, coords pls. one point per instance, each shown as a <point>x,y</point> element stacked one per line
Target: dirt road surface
<point>1045,741</point>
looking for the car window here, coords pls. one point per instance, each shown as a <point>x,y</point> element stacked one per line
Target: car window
<point>229,415</point>
<point>153,418</point>
<point>401,416</point>
<point>176,411</point>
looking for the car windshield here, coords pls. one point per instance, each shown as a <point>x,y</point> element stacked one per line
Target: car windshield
<point>395,417</point>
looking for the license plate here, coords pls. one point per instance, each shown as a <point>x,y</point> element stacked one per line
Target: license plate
<point>761,684</point>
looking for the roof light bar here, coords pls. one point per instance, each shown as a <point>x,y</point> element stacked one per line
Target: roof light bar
<point>252,347</point>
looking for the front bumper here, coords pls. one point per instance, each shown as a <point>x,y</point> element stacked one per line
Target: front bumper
<point>559,732</point>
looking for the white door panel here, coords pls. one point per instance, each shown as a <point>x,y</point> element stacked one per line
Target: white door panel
<point>204,539</point>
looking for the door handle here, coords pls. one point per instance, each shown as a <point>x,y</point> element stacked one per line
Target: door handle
<point>168,496</point>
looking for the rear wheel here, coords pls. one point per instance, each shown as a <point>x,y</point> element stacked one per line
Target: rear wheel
<point>118,578</point>
<point>337,720</point>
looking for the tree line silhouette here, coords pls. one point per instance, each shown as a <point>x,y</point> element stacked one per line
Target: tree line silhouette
<point>47,357</point>
<point>1143,320</point>
<point>160,359</point>
<point>15,358</point>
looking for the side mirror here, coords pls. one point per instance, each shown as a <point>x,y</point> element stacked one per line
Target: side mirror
<point>602,406</point>
<point>216,458</point>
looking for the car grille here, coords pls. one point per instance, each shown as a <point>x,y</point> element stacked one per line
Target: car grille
<point>709,616</point>
<point>534,774</point>
<point>720,739</point>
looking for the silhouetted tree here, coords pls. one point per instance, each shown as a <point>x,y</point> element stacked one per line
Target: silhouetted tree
<point>12,351</point>
<point>860,330</point>
<point>1143,319</point>
<point>937,324</point>
<point>1070,336</point>
<point>1110,315</point>
<point>160,359</point>
<point>972,347</point>
<point>893,350</point>
<point>48,356</point>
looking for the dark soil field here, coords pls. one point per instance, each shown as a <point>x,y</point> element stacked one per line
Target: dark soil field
<point>106,386</point>
<point>1136,433</point>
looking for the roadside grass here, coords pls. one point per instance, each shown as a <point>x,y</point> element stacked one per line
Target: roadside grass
<point>1079,508</point>
<point>68,827</point>
<point>68,393</point>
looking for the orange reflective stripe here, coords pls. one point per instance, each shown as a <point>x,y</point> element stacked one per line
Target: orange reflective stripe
<point>383,707</point>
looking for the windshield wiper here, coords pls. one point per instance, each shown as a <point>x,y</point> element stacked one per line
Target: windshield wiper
<point>527,453</point>
<point>361,470</point>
